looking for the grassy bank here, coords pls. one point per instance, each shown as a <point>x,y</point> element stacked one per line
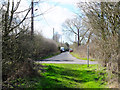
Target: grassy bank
<point>66,76</point>
<point>51,55</point>
<point>78,57</point>
<point>48,56</point>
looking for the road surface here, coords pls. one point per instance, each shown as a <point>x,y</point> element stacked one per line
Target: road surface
<point>65,58</point>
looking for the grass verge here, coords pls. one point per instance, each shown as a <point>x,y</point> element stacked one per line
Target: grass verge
<point>78,57</point>
<point>48,56</point>
<point>67,76</point>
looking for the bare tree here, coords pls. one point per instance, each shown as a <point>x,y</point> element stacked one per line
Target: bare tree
<point>12,31</point>
<point>76,26</point>
<point>103,17</point>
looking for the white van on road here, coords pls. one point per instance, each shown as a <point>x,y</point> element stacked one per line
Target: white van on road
<point>62,49</point>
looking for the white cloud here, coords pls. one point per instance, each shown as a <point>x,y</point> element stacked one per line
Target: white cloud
<point>66,1</point>
<point>55,18</point>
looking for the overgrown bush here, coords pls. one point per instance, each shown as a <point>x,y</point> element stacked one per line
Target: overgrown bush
<point>19,48</point>
<point>104,18</point>
<point>44,47</point>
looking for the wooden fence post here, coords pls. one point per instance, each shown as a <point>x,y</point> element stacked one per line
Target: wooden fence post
<point>88,55</point>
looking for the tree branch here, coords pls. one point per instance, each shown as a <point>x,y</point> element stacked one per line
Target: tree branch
<point>21,21</point>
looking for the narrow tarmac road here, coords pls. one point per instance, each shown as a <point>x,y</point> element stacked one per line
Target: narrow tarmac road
<point>65,58</point>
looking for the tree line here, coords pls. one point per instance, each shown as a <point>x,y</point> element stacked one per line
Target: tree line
<point>98,24</point>
<point>19,49</point>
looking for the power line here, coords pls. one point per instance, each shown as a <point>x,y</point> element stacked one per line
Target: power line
<point>44,17</point>
<point>46,12</point>
<point>32,18</point>
<point>47,22</point>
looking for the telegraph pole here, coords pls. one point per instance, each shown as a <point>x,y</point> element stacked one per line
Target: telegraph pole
<point>61,40</point>
<point>88,55</point>
<point>78,37</point>
<point>53,33</point>
<point>75,38</point>
<point>32,18</point>
<point>119,57</point>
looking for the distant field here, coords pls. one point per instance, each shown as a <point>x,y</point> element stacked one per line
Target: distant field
<point>67,76</point>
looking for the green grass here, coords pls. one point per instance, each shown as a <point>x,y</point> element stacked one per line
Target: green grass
<point>67,76</point>
<point>78,57</point>
<point>49,56</point>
